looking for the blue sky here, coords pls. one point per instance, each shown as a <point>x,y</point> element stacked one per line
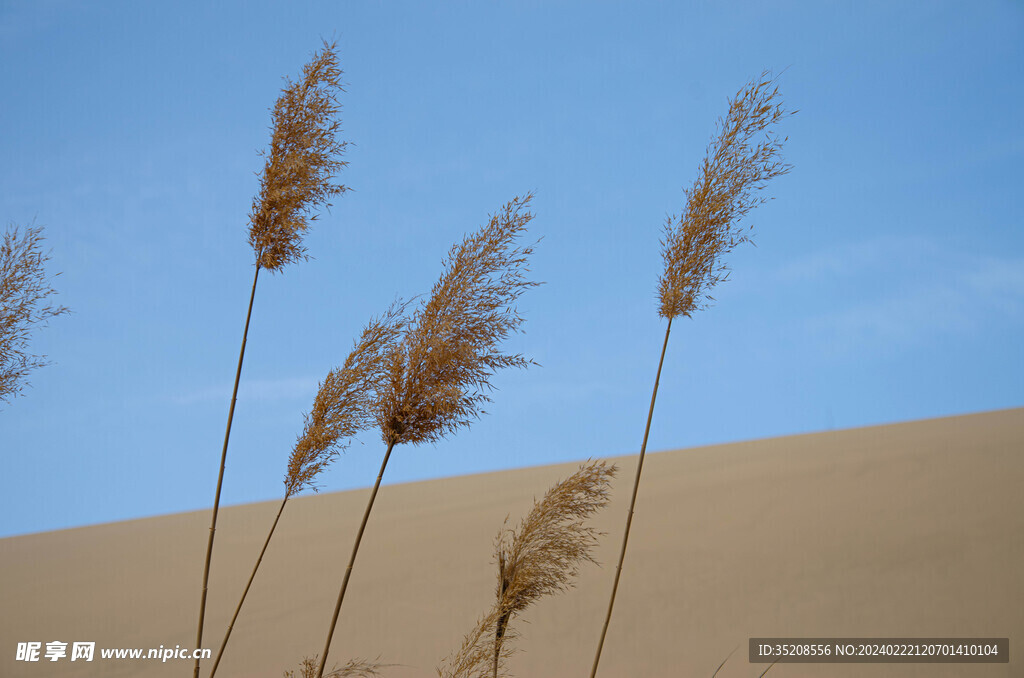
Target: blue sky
<point>887,281</point>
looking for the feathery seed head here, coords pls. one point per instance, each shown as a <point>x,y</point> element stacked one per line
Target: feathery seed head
<point>23,286</point>
<point>735,165</point>
<point>541,557</point>
<point>475,655</point>
<point>302,160</point>
<point>343,403</point>
<point>353,668</point>
<point>438,375</point>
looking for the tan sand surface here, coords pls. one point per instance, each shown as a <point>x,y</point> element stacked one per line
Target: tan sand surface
<point>905,530</point>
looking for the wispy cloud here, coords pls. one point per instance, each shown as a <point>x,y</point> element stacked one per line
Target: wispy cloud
<point>857,258</point>
<point>900,291</point>
<point>1000,284</point>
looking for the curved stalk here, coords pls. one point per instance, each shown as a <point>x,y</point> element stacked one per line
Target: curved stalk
<point>351,562</point>
<point>220,652</point>
<point>220,476</point>
<point>632,504</point>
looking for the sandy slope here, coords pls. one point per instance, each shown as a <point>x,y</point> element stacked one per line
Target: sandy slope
<point>912,529</point>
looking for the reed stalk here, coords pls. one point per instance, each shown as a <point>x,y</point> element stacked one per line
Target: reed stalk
<point>438,376</point>
<point>734,167</point>
<point>763,673</point>
<point>340,410</point>
<point>295,181</point>
<point>727,657</point>
<point>23,288</point>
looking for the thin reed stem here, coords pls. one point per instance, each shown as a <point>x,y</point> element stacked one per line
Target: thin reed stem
<point>435,379</point>
<point>296,179</point>
<point>220,475</point>
<point>539,558</point>
<point>351,562</point>
<point>765,672</point>
<point>499,632</point>
<point>632,503</point>
<point>724,661</point>
<point>340,410</point>
<point>734,168</point>
<point>259,559</point>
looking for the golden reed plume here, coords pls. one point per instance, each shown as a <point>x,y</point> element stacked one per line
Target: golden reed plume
<point>437,376</point>
<point>23,287</point>
<point>295,181</point>
<point>538,559</point>
<point>341,409</point>
<point>303,158</point>
<point>692,248</point>
<point>354,668</point>
<point>722,195</point>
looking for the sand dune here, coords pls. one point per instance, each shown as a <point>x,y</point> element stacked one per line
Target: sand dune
<point>906,530</point>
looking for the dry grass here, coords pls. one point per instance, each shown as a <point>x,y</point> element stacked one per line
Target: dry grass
<point>295,180</point>
<point>340,410</point>
<point>476,656</point>
<point>439,375</point>
<point>736,165</point>
<point>437,378</point>
<point>423,378</point>
<point>354,668</point>
<point>24,289</point>
<point>344,402</point>
<point>303,157</point>
<point>540,558</point>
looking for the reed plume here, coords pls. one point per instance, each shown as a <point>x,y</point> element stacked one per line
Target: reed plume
<point>23,287</point>
<point>341,409</point>
<point>354,668</point>
<point>538,559</point>
<point>736,165</point>
<point>295,181</point>
<point>303,158</point>
<point>437,377</point>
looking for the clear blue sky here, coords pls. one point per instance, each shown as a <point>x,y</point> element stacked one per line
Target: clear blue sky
<point>887,283</point>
